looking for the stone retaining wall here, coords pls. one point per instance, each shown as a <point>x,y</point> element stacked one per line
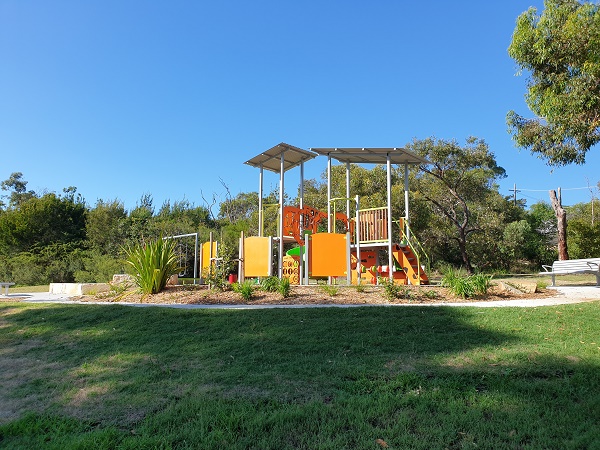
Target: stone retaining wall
<point>78,288</point>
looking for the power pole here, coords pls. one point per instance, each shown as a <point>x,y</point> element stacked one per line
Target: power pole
<point>514,191</point>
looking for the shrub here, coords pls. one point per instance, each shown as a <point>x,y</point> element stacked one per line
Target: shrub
<point>152,264</point>
<point>466,286</point>
<point>216,277</point>
<point>274,284</point>
<point>481,283</point>
<point>97,268</point>
<point>393,291</point>
<point>284,287</point>
<point>431,294</point>
<point>330,289</point>
<point>245,289</point>
<point>270,284</point>
<point>461,287</point>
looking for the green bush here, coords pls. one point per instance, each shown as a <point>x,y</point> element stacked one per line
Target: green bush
<point>270,284</point>
<point>541,284</point>
<point>53,263</point>
<point>466,286</point>
<point>274,284</point>
<point>98,268</point>
<point>360,288</point>
<point>330,289</point>
<point>481,283</point>
<point>152,264</point>
<point>392,291</point>
<point>216,277</point>
<point>245,289</point>
<point>431,294</point>
<point>284,287</point>
<point>461,287</point>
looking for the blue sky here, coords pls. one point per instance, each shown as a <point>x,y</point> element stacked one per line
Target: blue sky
<point>123,98</point>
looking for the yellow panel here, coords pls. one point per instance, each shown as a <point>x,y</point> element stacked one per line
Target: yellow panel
<point>256,256</point>
<point>327,255</point>
<point>291,269</point>
<point>206,255</point>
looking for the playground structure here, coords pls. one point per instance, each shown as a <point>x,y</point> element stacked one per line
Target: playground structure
<point>364,251</point>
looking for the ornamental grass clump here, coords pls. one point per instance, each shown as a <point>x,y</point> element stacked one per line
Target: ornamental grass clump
<point>466,286</point>
<point>270,284</point>
<point>481,283</point>
<point>245,289</point>
<point>284,287</point>
<point>152,264</point>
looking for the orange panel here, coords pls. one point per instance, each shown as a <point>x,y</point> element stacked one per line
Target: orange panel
<point>327,255</point>
<point>256,256</point>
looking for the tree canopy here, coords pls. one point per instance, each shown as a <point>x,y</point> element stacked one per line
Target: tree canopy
<point>560,49</point>
<point>459,184</point>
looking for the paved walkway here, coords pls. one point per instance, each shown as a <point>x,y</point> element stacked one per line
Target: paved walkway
<point>566,295</point>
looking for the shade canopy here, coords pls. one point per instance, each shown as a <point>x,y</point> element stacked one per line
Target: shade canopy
<point>372,155</point>
<point>271,159</point>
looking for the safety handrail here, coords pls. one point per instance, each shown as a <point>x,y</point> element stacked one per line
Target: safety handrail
<point>406,234</point>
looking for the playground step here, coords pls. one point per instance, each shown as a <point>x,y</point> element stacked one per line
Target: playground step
<point>409,264</point>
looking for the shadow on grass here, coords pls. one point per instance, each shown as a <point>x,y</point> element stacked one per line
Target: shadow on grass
<point>313,378</point>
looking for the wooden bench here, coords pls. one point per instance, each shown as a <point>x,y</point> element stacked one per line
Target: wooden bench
<point>573,266</point>
<point>4,285</point>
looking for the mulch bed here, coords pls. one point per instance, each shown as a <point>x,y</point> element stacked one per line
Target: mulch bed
<point>311,295</point>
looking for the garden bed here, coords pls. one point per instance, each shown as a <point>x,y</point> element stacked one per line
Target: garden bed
<point>316,294</point>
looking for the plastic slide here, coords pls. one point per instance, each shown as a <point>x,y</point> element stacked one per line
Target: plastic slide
<point>296,251</point>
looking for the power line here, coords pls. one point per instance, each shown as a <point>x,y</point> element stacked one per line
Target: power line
<point>534,198</point>
<point>546,190</point>
<point>514,191</point>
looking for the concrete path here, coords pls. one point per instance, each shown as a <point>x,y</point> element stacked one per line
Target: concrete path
<point>566,295</point>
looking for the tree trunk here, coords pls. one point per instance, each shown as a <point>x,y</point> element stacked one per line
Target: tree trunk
<point>462,245</point>
<point>561,219</point>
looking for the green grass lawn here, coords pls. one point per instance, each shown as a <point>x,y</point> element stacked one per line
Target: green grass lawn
<point>79,376</point>
<point>546,280</point>
<point>28,289</point>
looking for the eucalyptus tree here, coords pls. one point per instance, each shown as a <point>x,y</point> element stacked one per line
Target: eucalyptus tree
<point>17,188</point>
<point>369,183</point>
<point>542,220</point>
<point>560,50</point>
<point>459,186</point>
<point>584,230</point>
